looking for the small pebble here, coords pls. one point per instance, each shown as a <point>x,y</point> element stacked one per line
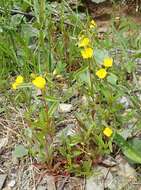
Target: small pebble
<point>12,183</point>
<point>64,108</point>
<point>2,180</point>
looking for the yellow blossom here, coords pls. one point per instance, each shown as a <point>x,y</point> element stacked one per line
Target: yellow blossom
<point>93,24</point>
<point>84,42</point>
<point>108,62</point>
<point>87,53</point>
<point>39,82</point>
<point>19,80</point>
<point>107,132</point>
<point>14,86</point>
<point>101,73</point>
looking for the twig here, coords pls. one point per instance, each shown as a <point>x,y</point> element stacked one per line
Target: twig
<point>104,180</point>
<point>33,174</point>
<point>84,185</point>
<point>64,182</point>
<point>136,183</point>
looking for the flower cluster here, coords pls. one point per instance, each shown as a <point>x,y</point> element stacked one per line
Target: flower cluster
<point>107,62</point>
<point>87,51</point>
<point>85,43</point>
<point>18,81</point>
<point>39,82</point>
<point>93,24</point>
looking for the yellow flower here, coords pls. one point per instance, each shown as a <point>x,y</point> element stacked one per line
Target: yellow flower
<point>39,82</point>
<point>84,42</point>
<point>87,53</point>
<point>101,73</point>
<point>107,132</point>
<point>19,80</point>
<point>92,24</point>
<point>108,62</point>
<point>14,86</point>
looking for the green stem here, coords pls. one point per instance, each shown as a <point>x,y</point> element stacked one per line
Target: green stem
<point>42,16</point>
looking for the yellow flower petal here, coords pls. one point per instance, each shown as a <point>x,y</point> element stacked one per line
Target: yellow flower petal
<point>39,82</point>
<point>19,79</point>
<point>107,132</point>
<point>101,73</point>
<point>84,42</point>
<point>87,53</point>
<point>92,24</point>
<point>108,62</point>
<point>14,86</point>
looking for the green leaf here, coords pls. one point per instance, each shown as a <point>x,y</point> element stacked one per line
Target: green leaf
<point>60,67</point>
<point>81,71</point>
<point>76,153</point>
<point>100,55</point>
<point>36,9</point>
<point>83,75</point>
<point>16,20</point>
<point>128,149</point>
<point>53,108</point>
<point>29,31</point>
<point>20,151</point>
<point>136,144</point>
<point>87,168</point>
<point>130,66</point>
<point>51,99</point>
<point>112,79</point>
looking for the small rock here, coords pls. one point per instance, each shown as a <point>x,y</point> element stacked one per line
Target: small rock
<point>113,178</point>
<point>70,130</point>
<point>47,183</point>
<point>126,133</point>
<point>125,169</point>
<point>39,92</point>
<point>3,142</point>
<point>40,187</point>
<point>64,108</point>
<point>103,29</point>
<point>124,101</point>
<point>70,183</point>
<point>2,180</point>
<point>51,183</point>
<point>123,174</point>
<point>99,181</point>
<point>7,188</point>
<point>12,183</point>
